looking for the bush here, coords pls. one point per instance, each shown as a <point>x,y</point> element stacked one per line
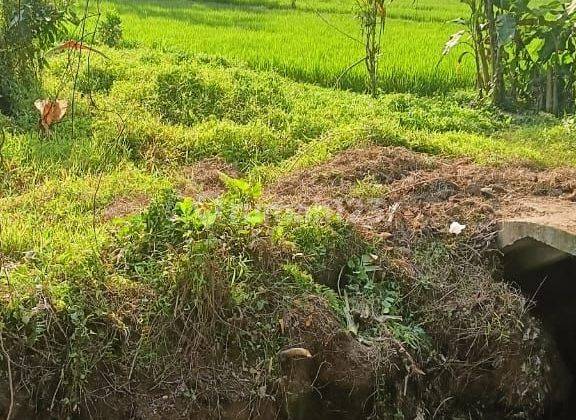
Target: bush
<point>27,28</point>
<point>111,29</point>
<point>96,80</point>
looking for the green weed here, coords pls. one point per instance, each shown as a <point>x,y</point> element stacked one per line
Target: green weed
<point>368,188</point>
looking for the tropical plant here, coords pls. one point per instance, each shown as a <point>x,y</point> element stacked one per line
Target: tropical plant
<point>525,55</point>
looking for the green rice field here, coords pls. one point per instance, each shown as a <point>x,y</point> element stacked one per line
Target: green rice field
<point>316,42</point>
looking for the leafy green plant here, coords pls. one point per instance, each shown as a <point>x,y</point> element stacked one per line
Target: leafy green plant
<point>525,55</point>
<point>376,306</point>
<point>110,30</point>
<point>241,190</point>
<point>372,15</point>
<point>27,29</point>
<point>320,235</point>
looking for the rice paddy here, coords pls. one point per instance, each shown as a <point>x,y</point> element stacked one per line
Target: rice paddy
<point>316,42</point>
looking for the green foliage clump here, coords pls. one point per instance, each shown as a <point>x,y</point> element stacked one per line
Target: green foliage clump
<point>191,95</point>
<point>96,79</point>
<point>323,238</point>
<point>524,53</point>
<point>110,29</point>
<point>444,114</point>
<point>377,300</point>
<point>27,29</point>
<point>319,238</point>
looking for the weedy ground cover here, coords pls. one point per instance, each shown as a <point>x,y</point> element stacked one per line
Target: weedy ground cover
<point>106,267</point>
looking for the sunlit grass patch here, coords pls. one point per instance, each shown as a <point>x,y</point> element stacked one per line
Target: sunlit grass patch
<point>301,45</point>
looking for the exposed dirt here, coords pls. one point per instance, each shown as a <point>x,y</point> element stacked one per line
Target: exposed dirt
<point>420,192</point>
<point>547,211</point>
<point>339,381</point>
<point>203,181</point>
<point>125,206</point>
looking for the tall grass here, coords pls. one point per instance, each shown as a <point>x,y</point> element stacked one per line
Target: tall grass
<point>303,44</point>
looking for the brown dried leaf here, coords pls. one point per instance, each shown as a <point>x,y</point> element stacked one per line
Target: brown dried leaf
<point>51,112</point>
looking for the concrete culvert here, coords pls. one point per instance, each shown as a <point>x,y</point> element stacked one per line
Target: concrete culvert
<point>540,259</point>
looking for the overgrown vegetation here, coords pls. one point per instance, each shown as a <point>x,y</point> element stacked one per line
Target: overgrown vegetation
<point>27,29</point>
<point>524,53</point>
<point>110,30</point>
<point>135,273</point>
<point>184,270</point>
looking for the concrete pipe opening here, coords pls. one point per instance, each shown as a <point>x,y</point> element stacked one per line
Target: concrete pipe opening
<point>540,260</point>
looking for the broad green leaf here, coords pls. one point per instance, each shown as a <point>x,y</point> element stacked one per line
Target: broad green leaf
<point>506,29</point>
<point>534,47</point>
<point>207,219</point>
<point>548,48</point>
<point>186,206</point>
<point>255,217</point>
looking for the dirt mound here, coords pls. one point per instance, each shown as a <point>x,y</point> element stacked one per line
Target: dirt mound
<point>125,206</point>
<point>203,179</point>
<point>482,361</point>
<point>408,192</point>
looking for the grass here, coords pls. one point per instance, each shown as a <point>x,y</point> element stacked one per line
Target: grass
<point>160,109</point>
<point>154,117</point>
<point>87,286</point>
<point>301,45</point>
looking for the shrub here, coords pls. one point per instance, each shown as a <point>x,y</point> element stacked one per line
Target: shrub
<point>27,28</point>
<point>111,29</point>
<point>96,80</point>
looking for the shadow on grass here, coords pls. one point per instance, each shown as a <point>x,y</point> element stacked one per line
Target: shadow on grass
<point>191,13</point>
<point>257,6</point>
